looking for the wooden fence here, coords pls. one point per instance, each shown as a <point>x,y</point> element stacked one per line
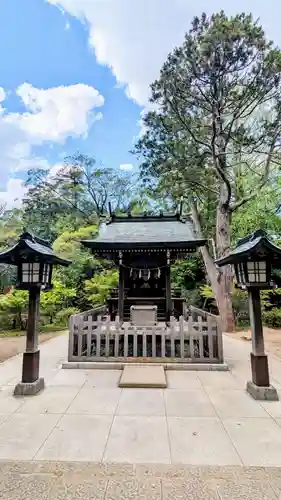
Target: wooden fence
<point>94,337</point>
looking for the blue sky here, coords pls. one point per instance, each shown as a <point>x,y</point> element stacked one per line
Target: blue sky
<point>54,51</point>
<point>65,61</point>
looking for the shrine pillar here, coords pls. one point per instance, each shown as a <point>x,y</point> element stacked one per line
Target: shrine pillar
<point>168,288</point>
<point>121,289</point>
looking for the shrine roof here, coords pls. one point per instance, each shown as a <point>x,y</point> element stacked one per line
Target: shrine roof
<point>164,231</point>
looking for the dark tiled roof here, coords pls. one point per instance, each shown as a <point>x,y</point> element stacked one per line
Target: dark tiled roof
<point>249,246</point>
<point>130,231</point>
<point>31,246</point>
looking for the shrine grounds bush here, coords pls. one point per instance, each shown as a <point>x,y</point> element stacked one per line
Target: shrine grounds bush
<point>6,321</point>
<point>62,317</point>
<point>239,303</point>
<point>193,298</point>
<point>272,318</point>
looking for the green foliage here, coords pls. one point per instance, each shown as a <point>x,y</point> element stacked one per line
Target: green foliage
<point>272,318</point>
<point>214,136</point>
<point>240,304</point>
<point>11,226</point>
<point>76,195</point>
<point>83,266</point>
<point>211,115</point>
<point>12,306</point>
<point>41,329</point>
<point>186,273</point>
<point>271,298</point>
<point>42,205</point>
<point>68,245</point>
<point>68,295</point>
<point>62,316</point>
<point>239,301</point>
<point>94,186</point>
<point>68,242</point>
<point>271,315</point>
<point>261,213</point>
<point>207,292</point>
<point>58,298</point>
<point>187,276</point>
<point>99,286</point>
<point>193,297</point>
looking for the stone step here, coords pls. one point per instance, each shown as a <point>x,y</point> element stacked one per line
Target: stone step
<point>143,377</point>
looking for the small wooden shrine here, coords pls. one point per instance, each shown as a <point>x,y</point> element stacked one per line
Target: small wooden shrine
<point>144,247</point>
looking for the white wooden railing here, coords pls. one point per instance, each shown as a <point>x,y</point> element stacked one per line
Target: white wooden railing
<point>94,337</point>
<point>76,322</point>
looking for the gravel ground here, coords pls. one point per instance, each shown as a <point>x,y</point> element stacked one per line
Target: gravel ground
<point>10,346</point>
<point>272,338</point>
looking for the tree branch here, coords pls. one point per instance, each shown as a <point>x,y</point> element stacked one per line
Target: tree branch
<point>183,121</point>
<point>218,168</point>
<point>264,180</point>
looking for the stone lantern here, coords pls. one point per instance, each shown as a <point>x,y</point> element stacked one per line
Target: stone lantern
<point>252,259</point>
<point>34,259</point>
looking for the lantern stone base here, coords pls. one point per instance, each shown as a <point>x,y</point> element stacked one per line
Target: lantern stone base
<point>29,388</point>
<point>262,393</point>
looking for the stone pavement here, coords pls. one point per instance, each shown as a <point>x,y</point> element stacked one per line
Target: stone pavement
<point>202,437</point>
<point>89,481</point>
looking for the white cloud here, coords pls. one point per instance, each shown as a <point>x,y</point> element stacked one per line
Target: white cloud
<point>51,116</point>
<point>56,113</point>
<point>133,37</point>
<point>14,193</point>
<point>54,170</point>
<point>126,166</point>
<point>2,94</point>
<point>15,189</point>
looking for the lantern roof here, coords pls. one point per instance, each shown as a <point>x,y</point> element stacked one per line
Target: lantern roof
<point>254,246</point>
<point>31,247</point>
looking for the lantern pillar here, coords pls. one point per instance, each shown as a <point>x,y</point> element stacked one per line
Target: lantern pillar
<point>168,294</point>
<point>259,362</point>
<point>31,383</point>
<point>121,289</point>
<point>169,307</point>
<point>259,388</point>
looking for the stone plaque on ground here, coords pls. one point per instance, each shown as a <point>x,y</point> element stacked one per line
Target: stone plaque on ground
<point>143,315</point>
<point>143,376</point>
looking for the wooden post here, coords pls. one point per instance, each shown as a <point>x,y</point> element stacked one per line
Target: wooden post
<point>31,384</point>
<point>121,294</point>
<point>260,387</point>
<point>256,321</point>
<point>168,293</point>
<point>32,321</point>
<point>260,373</point>
<point>30,367</point>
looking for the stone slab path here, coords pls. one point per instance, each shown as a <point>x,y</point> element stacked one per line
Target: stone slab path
<point>88,481</point>
<point>203,425</point>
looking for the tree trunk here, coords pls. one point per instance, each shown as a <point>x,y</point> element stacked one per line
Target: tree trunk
<point>21,325</point>
<point>221,280</point>
<point>225,276</point>
<point>207,258</point>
